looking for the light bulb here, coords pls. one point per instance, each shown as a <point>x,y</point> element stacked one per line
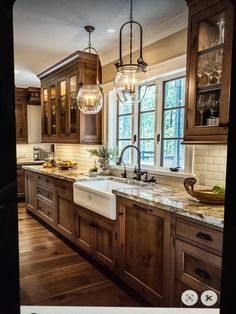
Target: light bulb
<point>127,77</point>
<point>90,99</point>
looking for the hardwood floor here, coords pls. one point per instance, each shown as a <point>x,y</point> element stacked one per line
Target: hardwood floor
<point>52,273</point>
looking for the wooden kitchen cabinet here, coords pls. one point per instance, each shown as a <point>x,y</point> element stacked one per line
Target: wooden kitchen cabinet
<point>96,235</point>
<point>30,191</point>
<point>144,242</point>
<point>198,259</point>
<point>21,115</point>
<point>65,213</point>
<point>45,200</point>
<point>209,56</point>
<point>62,122</point>
<point>20,182</point>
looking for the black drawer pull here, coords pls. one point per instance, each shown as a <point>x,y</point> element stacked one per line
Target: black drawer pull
<point>120,214</point>
<point>39,208</point>
<point>204,236</point>
<point>47,180</point>
<point>204,274</point>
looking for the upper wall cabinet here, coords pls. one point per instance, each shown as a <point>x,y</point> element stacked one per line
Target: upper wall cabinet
<point>62,122</point>
<point>209,57</point>
<point>26,116</point>
<point>21,115</point>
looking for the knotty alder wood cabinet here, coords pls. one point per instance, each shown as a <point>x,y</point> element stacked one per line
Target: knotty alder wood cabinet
<point>208,77</point>
<point>51,199</point>
<point>62,122</point>
<point>21,115</point>
<point>144,243</point>
<point>157,253</point>
<point>198,259</point>
<point>97,236</point>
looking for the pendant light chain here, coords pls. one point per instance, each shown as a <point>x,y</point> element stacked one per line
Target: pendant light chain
<point>89,42</point>
<point>128,74</point>
<point>131,32</point>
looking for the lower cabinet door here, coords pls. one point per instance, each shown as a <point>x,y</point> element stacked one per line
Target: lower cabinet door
<point>65,214</point>
<point>84,230</point>
<point>104,241</point>
<point>196,268</point>
<point>30,191</point>
<point>144,249</point>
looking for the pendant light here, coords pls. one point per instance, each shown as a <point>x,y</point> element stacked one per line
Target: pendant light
<point>89,98</point>
<point>129,74</point>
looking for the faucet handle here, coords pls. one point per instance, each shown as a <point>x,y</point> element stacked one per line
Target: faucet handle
<point>135,170</point>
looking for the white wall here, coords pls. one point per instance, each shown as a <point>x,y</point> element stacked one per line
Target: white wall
<point>34,124</point>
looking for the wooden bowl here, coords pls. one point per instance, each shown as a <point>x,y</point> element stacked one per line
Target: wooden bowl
<point>205,196</point>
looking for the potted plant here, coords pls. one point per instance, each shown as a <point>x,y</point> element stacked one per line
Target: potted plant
<point>104,154</point>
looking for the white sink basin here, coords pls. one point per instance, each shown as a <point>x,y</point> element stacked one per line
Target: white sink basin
<point>97,195</point>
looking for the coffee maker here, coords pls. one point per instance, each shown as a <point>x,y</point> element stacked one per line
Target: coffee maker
<point>36,155</point>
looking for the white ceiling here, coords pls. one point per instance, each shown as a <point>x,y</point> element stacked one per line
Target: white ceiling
<point>46,31</point>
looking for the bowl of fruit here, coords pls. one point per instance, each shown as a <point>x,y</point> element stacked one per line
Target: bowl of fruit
<point>215,195</point>
<point>66,164</point>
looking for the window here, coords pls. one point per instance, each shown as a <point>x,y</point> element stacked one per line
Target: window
<point>172,152</point>
<point>124,129</point>
<point>156,126</point>
<point>147,114</point>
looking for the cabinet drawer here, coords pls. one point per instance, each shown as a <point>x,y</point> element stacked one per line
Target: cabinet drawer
<point>64,186</point>
<point>44,209</point>
<point>195,264</point>
<point>200,234</point>
<point>45,193</point>
<point>44,180</point>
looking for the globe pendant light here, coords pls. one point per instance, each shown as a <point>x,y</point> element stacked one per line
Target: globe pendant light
<point>89,98</point>
<point>129,74</point>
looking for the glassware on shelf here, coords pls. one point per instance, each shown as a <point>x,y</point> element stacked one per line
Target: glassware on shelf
<point>221,25</point>
<point>201,107</point>
<point>200,70</point>
<point>209,70</point>
<point>218,64</point>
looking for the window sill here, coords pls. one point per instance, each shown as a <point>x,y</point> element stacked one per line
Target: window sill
<point>167,173</point>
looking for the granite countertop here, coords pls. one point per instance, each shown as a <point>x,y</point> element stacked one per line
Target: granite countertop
<point>162,196</point>
<point>29,162</point>
<point>69,175</point>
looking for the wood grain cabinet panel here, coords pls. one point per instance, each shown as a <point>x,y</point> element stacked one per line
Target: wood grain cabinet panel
<point>65,214</point>
<point>21,115</point>
<point>62,122</point>
<point>30,191</point>
<point>198,258</point>
<point>20,182</point>
<point>97,236</point>
<point>144,249</point>
<point>84,230</point>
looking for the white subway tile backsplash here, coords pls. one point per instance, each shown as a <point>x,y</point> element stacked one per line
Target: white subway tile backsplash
<point>219,160</point>
<point>210,162</point>
<point>207,160</point>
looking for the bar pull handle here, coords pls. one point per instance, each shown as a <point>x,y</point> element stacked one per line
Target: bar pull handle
<point>204,236</point>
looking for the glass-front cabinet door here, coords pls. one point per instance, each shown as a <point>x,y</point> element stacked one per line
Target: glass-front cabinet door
<point>72,105</point>
<point>53,123</point>
<point>45,112</point>
<point>208,74</point>
<point>62,108</point>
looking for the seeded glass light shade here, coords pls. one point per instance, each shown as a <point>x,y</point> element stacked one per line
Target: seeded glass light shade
<point>90,99</point>
<point>126,80</point>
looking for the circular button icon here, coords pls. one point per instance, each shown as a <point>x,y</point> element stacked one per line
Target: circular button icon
<point>189,297</point>
<point>209,298</point>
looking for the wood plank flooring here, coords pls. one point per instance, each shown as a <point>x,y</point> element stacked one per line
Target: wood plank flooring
<point>52,273</point>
